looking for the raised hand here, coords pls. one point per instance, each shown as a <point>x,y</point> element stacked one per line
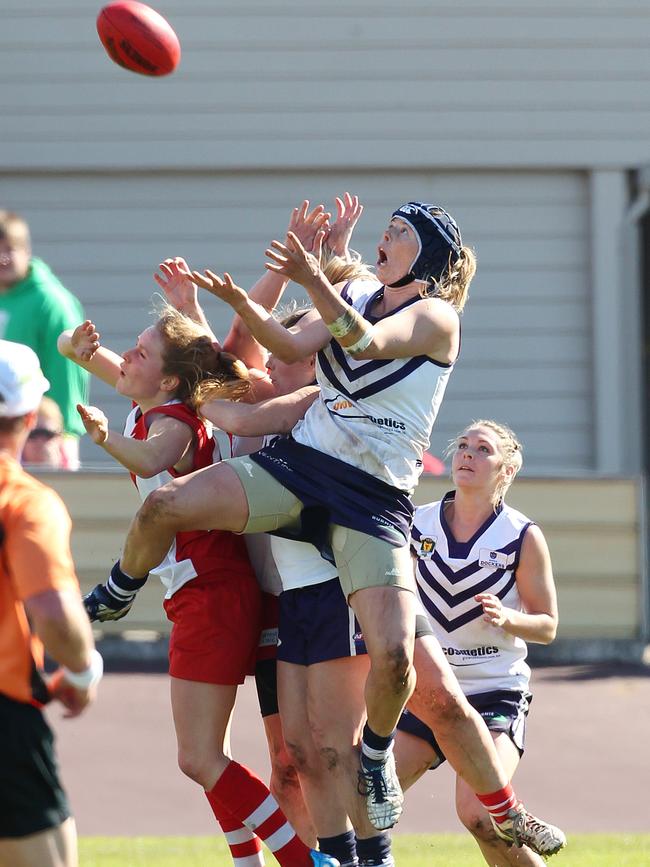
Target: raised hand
<point>95,422</point>
<point>176,282</point>
<point>225,289</point>
<point>293,261</point>
<point>494,612</point>
<point>338,235</point>
<point>85,340</point>
<point>306,224</point>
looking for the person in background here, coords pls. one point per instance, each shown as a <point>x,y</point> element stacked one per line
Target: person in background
<point>45,445</point>
<point>40,606</point>
<point>34,309</point>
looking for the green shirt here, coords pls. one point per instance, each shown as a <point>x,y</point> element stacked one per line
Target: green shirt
<point>35,311</point>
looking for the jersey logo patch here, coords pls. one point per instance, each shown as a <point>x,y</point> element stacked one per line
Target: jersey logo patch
<point>492,559</point>
<point>427,547</point>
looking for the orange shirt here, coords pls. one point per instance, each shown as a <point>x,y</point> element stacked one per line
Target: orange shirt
<point>34,557</point>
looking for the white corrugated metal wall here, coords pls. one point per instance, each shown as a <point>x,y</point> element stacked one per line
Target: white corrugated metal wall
<point>500,111</point>
<point>526,335</point>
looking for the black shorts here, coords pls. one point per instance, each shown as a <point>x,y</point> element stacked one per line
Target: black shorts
<point>31,796</point>
<point>502,710</point>
<point>266,683</point>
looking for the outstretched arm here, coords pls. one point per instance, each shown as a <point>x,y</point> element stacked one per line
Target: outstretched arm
<point>167,442</point>
<point>429,327</point>
<point>287,345</point>
<point>277,415</point>
<point>83,347</point>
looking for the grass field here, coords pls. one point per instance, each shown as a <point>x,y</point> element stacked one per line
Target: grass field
<point>422,850</point>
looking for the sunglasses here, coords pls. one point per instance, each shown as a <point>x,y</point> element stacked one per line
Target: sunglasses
<point>43,433</point>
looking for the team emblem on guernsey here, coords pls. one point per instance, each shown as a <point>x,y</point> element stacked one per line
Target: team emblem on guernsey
<point>492,559</point>
<point>427,547</point>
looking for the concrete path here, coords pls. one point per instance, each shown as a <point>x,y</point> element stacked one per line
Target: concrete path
<point>586,768</point>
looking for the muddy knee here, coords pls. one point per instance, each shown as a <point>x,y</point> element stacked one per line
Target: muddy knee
<point>441,707</point>
<point>477,823</point>
<point>284,777</point>
<point>395,667</point>
<point>156,508</point>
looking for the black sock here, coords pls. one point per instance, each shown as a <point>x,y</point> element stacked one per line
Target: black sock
<point>376,747</point>
<point>374,850</point>
<point>343,847</point>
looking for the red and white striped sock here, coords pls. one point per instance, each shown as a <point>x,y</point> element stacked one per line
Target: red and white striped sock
<point>245,847</point>
<point>499,803</point>
<point>241,794</point>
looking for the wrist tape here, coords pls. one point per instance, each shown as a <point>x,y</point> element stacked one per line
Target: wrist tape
<point>88,677</point>
<point>122,586</point>
<point>344,324</point>
<point>362,343</point>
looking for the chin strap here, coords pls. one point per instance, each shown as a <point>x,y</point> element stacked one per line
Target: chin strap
<point>404,281</point>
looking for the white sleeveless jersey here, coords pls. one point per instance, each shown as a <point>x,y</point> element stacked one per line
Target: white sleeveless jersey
<point>283,564</point>
<point>450,573</point>
<point>378,414</point>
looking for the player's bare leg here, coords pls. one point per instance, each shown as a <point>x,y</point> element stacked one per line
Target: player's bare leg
<point>463,737</point>
<point>465,740</point>
<point>325,712</point>
<point>202,713</point>
<point>285,781</point>
<point>336,719</point>
<point>208,499</point>
<point>477,821</point>
<point>56,847</point>
<point>295,699</point>
<point>387,618</point>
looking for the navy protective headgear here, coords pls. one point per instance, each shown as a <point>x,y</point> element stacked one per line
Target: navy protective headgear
<point>439,239</point>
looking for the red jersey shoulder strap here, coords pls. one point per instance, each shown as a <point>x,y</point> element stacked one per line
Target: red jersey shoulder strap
<point>203,441</point>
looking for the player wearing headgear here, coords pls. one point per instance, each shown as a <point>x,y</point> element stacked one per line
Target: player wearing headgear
<point>345,477</point>
<point>486,584</point>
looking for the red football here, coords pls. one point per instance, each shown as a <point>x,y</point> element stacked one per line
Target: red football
<point>139,38</point>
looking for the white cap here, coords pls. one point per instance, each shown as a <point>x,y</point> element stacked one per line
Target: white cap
<point>22,384</point>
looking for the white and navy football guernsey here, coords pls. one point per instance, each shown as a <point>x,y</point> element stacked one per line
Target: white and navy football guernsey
<point>356,456</point>
<point>375,414</point>
<point>449,574</point>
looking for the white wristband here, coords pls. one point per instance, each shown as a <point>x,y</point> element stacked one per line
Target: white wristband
<point>90,676</point>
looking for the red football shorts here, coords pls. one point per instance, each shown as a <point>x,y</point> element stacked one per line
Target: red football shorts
<point>216,629</point>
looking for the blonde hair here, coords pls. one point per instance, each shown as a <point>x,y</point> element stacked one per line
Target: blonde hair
<point>14,228</point>
<point>340,270</point>
<point>204,372</point>
<point>453,285</point>
<point>510,449</point>
<point>49,413</point>
<point>290,313</point>
<point>337,270</point>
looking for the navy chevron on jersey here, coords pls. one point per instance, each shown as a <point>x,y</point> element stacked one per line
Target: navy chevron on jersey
<point>449,574</point>
<point>215,553</point>
<point>375,414</point>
